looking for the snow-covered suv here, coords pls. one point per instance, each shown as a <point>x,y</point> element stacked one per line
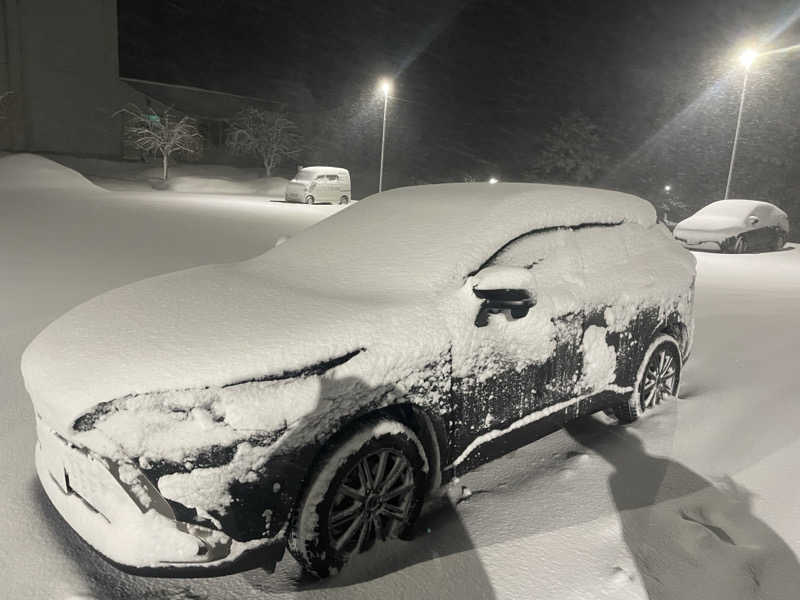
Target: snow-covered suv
<point>200,421</point>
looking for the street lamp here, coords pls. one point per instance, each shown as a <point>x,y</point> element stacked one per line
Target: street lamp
<point>668,188</point>
<point>746,59</point>
<point>385,87</point>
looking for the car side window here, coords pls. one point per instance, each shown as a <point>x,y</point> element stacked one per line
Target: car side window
<point>531,248</point>
<point>333,178</point>
<point>563,258</point>
<point>764,214</point>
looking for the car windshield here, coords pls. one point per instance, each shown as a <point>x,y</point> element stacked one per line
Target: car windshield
<point>304,175</point>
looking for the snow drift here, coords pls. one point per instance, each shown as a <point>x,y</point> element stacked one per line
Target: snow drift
<point>33,171</point>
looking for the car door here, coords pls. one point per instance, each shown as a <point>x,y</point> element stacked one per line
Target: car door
<point>759,233</point>
<point>515,367</point>
<point>334,187</point>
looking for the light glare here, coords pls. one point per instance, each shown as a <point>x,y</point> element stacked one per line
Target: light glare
<point>667,188</point>
<point>386,86</point>
<point>747,57</point>
<point>492,179</point>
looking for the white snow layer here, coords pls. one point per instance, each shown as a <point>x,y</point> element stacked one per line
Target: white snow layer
<point>30,171</point>
<point>374,276</point>
<point>542,522</point>
<point>599,359</point>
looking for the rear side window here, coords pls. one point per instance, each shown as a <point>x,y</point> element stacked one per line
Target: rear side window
<point>531,248</point>
<point>581,253</point>
<point>332,177</point>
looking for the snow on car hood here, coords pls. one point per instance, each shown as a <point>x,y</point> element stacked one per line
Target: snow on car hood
<point>711,224</point>
<point>208,326</point>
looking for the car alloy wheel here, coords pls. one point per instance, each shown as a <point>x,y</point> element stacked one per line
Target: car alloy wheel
<point>740,245</point>
<point>372,500</point>
<point>367,487</point>
<point>780,242</point>
<point>343,200</point>
<point>658,379</point>
<point>309,199</point>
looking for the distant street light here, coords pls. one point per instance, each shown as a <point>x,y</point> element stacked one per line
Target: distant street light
<point>385,87</point>
<point>492,179</point>
<point>746,59</point>
<point>668,188</point>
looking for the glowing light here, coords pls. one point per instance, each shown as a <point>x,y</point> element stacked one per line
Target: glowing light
<point>385,86</point>
<point>747,57</point>
<point>492,179</point>
<point>667,188</point>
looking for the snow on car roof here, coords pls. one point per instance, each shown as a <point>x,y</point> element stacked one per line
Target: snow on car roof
<point>425,237</point>
<point>322,169</point>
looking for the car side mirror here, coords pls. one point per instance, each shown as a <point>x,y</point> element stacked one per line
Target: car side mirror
<point>752,220</point>
<point>503,289</point>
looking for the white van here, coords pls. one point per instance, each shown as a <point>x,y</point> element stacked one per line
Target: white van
<point>319,184</point>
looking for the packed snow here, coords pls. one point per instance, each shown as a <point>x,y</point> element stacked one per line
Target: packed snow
<point>697,500</point>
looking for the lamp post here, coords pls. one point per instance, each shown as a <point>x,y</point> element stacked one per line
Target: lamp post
<point>386,87</point>
<point>746,58</point>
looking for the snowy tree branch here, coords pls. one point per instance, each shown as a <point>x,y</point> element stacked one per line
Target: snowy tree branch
<point>271,136</point>
<point>161,132</point>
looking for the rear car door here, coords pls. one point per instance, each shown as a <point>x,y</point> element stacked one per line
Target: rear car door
<point>515,367</point>
<point>334,187</point>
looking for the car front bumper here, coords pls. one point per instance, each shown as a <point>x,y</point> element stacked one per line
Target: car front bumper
<point>135,539</point>
<point>707,245</point>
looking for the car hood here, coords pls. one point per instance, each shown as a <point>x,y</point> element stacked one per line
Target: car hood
<point>210,326</point>
<point>709,224</point>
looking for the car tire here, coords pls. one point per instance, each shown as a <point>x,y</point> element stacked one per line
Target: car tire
<point>739,245</point>
<point>343,200</point>
<point>658,377</point>
<point>309,199</point>
<point>369,486</point>
<point>780,240</point>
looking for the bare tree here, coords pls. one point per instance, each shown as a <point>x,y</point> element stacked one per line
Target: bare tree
<point>161,132</point>
<point>272,136</point>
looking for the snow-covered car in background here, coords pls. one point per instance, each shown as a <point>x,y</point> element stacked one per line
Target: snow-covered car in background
<point>734,226</point>
<point>201,421</point>
<point>314,185</point>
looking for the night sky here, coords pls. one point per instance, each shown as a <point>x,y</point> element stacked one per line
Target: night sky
<point>479,84</point>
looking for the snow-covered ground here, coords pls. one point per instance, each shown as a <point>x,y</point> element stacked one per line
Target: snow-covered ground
<point>192,177</point>
<point>699,500</point>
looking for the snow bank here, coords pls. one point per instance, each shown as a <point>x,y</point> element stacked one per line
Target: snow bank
<point>36,172</point>
<point>265,186</point>
<point>186,178</point>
